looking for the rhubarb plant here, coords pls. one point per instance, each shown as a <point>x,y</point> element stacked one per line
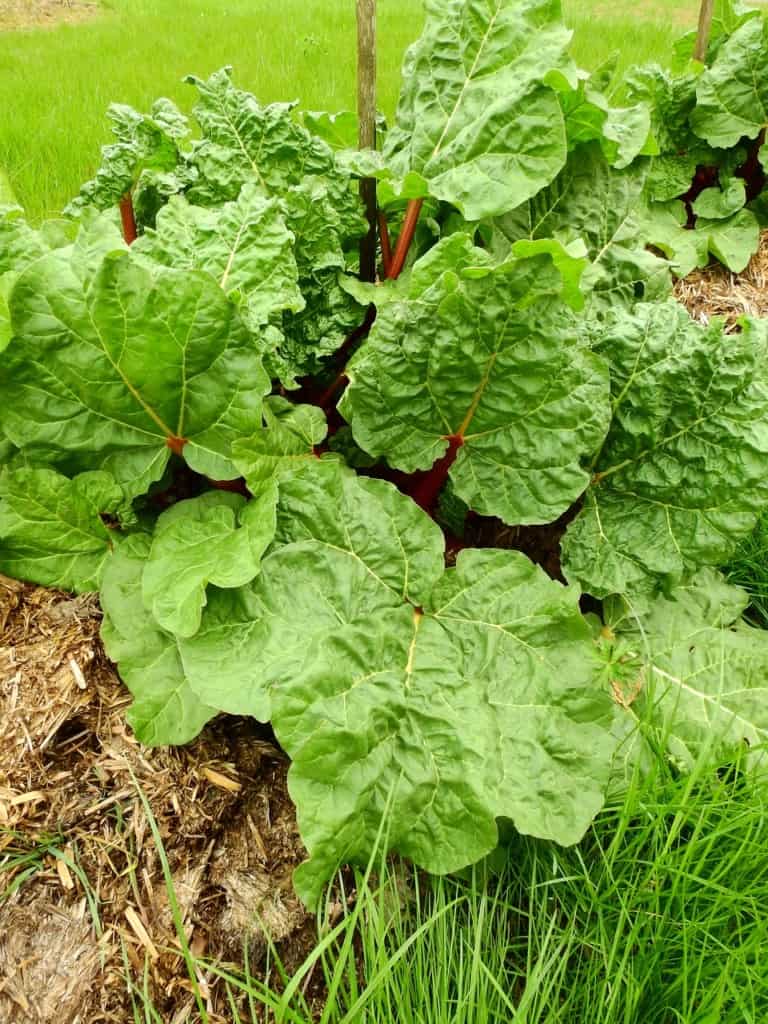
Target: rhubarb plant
<point>709,124</point>
<point>296,510</point>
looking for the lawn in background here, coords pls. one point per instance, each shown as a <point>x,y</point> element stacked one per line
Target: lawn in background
<point>55,84</point>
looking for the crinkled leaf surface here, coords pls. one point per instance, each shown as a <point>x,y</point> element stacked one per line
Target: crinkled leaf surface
<point>449,697</point>
<point>477,122</point>
<point>107,375</point>
<point>245,245</point>
<point>683,472</point>
<point>287,440</point>
<point>245,142</point>
<point>671,98</point>
<point>704,670</point>
<point>51,528</point>
<point>732,94</point>
<point>602,207</point>
<point>145,142</point>
<point>491,357</point>
<point>217,538</point>
<point>165,708</point>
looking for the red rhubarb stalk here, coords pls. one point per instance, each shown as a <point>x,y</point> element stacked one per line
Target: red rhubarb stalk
<point>425,493</point>
<point>128,217</point>
<point>386,248</point>
<point>176,444</point>
<point>408,230</point>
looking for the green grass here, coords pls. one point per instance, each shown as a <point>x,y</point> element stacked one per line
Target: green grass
<point>749,569</point>
<point>657,917</point>
<point>55,84</point>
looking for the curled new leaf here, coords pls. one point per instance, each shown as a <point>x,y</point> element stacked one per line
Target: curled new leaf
<point>216,539</point>
<point>165,708</point>
<point>288,439</point>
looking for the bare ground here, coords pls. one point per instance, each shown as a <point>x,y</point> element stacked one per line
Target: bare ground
<point>16,14</point>
<point>67,768</point>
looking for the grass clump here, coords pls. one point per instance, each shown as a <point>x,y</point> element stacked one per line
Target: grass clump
<point>749,569</point>
<point>656,917</point>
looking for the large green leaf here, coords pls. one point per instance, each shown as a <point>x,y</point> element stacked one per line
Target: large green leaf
<point>733,93</point>
<point>477,123</point>
<point>671,98</point>
<point>490,356</point>
<point>165,709</point>
<point>218,538</point>
<point>245,245</point>
<point>702,670</point>
<point>683,472</point>
<point>593,203</point>
<point>110,374</point>
<point>52,529</point>
<point>445,698</point>
<point>244,142</point>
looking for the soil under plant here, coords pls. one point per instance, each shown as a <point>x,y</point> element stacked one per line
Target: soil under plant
<point>67,769</point>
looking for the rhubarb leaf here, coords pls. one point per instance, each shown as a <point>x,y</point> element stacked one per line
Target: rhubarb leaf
<point>144,142</point>
<point>288,439</point>
<point>491,357</point>
<point>604,208</point>
<point>244,142</point>
<point>113,375</point>
<point>477,122</point>
<point>52,530</point>
<point>165,708</point>
<point>398,677</point>
<point>700,667</point>
<point>732,94</point>
<point>683,472</point>
<point>217,538</point>
<point>731,239</point>
<point>621,131</point>
<point>245,245</point>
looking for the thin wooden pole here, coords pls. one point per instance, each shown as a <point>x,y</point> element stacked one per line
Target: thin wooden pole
<point>702,34</point>
<point>366,112</point>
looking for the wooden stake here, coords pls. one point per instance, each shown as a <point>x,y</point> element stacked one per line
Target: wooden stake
<point>366,113</point>
<point>702,34</point>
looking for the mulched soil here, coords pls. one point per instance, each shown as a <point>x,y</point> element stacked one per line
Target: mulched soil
<point>15,14</point>
<point>716,291</point>
<point>67,767</point>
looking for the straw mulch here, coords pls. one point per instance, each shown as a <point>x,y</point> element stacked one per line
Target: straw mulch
<point>67,767</point>
<point>716,291</point>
